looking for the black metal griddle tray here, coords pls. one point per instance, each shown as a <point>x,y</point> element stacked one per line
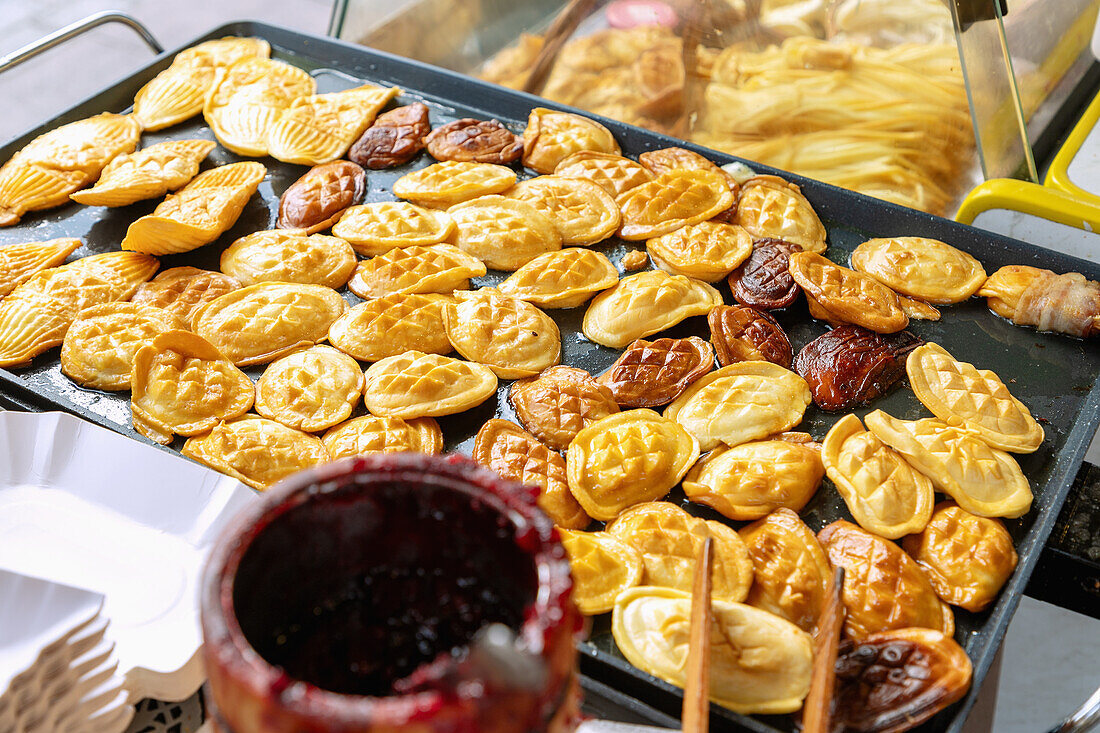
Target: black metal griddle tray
<point>1056,376</point>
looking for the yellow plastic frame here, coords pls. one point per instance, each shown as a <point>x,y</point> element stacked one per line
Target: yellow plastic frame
<point>1030,198</point>
<point>1058,175</point>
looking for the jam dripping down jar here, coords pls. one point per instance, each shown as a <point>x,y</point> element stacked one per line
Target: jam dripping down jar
<point>391,592</point>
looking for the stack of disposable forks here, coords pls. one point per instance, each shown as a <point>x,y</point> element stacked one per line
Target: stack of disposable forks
<point>58,673</point>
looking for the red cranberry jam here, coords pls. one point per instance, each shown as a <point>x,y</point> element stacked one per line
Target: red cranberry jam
<point>351,596</point>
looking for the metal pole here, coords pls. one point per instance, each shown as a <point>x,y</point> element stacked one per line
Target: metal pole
<point>75,29</point>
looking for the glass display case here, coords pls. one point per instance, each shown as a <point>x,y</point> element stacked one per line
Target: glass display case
<point>911,102</point>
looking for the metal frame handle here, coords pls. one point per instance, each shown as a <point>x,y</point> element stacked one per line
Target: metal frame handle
<point>75,29</point>
<point>1083,719</point>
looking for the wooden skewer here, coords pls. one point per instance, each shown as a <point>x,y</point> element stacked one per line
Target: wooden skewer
<point>695,716</point>
<point>818,709</point>
<point>559,32</point>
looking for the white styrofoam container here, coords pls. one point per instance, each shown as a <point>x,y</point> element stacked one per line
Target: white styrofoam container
<point>86,507</point>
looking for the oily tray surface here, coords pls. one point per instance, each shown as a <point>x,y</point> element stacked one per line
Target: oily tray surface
<point>1055,376</point>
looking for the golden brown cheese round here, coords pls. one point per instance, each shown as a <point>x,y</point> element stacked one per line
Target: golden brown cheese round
<point>257,451</point>
<point>626,459</point>
<point>883,492</point>
<point>922,268</point>
<point>670,539</point>
<point>311,390</point>
<point>183,385</point>
<point>967,558</point>
<point>883,587</point>
<point>602,567</point>
<point>371,434</point>
<point>643,304</point>
<point>415,384</point>
<point>512,337</point>
<point>99,348</point>
<point>759,663</point>
<point>741,402</point>
<point>750,480</point>
<point>260,323</point>
<point>791,576</point>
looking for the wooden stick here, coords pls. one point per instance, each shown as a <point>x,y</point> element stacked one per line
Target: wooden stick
<point>559,32</point>
<point>818,709</point>
<point>695,716</point>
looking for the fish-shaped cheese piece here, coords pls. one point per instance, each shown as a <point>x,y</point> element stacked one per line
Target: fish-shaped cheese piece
<point>177,93</point>
<point>132,269</point>
<point>982,479</point>
<point>976,399</point>
<point>146,174</point>
<point>321,127</point>
<point>759,663</point>
<point>248,98</point>
<point>61,161</point>
<point>198,213</point>
<point>18,262</point>
<point>173,95</point>
<point>37,314</point>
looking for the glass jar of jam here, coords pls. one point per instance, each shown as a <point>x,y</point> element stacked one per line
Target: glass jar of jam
<point>391,592</point>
